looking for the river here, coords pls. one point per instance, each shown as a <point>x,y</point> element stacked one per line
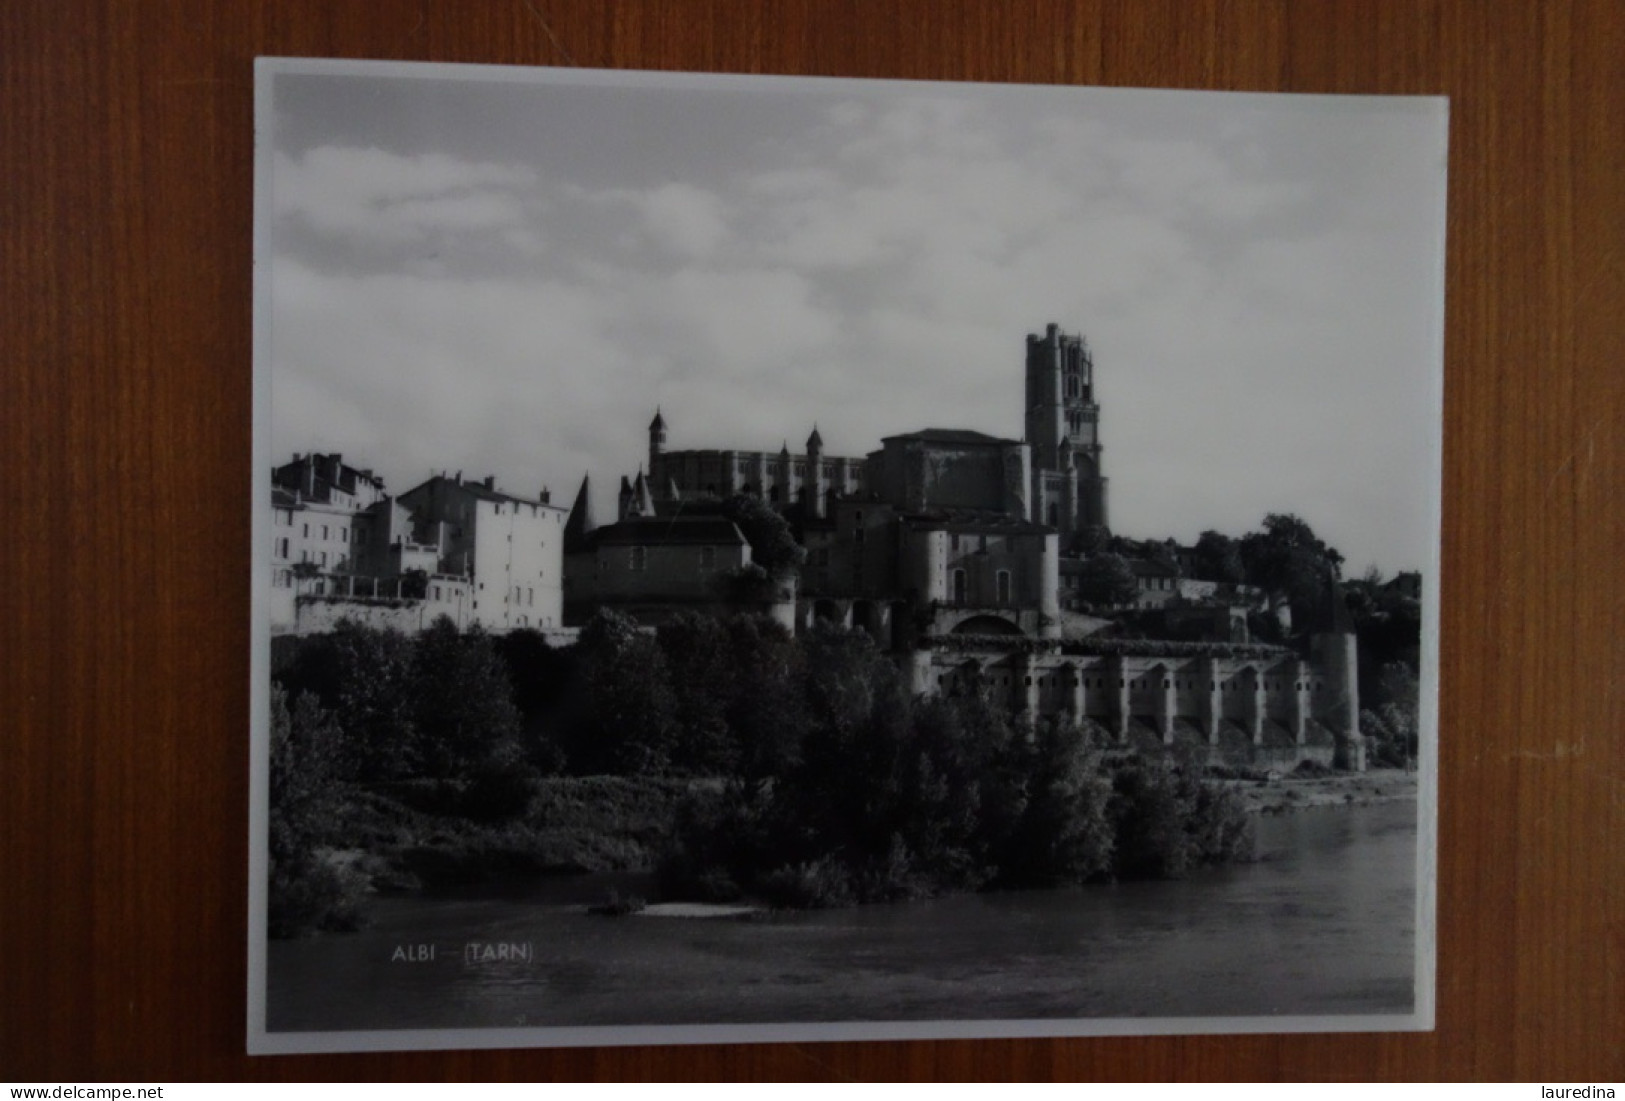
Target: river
<point>1321,924</point>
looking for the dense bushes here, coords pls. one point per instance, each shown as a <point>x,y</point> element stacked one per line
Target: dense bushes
<point>1166,822</point>
<point>893,798</point>
<point>307,890</point>
<point>729,755</point>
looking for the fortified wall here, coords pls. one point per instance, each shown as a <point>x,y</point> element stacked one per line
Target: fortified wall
<point>1245,705</point>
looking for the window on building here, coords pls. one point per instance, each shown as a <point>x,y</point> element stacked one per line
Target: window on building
<point>981,543</point>
<point>324,531</point>
<point>959,587</point>
<point>1002,585</point>
<point>321,558</point>
<point>307,531</point>
<point>282,548</point>
<point>953,541</point>
<point>639,559</point>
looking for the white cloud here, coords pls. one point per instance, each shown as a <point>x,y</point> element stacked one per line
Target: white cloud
<point>684,220</point>
<point>370,195</point>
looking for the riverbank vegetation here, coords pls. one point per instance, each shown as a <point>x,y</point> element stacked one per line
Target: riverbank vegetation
<point>731,758</point>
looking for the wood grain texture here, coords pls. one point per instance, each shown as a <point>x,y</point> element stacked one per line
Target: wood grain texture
<point>125,269</point>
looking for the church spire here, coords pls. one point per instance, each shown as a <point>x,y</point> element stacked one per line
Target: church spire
<point>581,522</point>
<point>657,440</point>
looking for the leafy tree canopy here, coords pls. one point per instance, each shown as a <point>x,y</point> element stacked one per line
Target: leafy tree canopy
<point>1107,579</point>
<point>1287,558</point>
<point>773,545</point>
<point>1218,558</point>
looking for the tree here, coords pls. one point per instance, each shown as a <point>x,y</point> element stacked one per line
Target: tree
<point>1091,539</point>
<point>304,891</point>
<point>767,713</point>
<point>1286,558</point>
<point>1061,833</point>
<point>462,702</point>
<point>631,725</point>
<point>697,656</point>
<point>1107,579</point>
<point>1218,558</point>
<point>373,671</point>
<point>773,545</point>
<point>544,686</point>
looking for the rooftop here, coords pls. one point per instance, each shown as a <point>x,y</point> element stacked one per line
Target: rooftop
<point>955,436</point>
<point>671,531</point>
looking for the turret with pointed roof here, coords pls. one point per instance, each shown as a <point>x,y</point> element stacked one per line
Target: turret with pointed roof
<point>582,523</point>
<point>657,440</point>
<point>643,502</point>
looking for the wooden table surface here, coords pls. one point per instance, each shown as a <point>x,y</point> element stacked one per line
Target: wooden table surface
<point>125,248</point>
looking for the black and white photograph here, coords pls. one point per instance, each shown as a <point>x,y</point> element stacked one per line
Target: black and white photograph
<point>750,558</point>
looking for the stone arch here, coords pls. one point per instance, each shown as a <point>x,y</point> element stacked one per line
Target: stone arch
<point>984,623</point>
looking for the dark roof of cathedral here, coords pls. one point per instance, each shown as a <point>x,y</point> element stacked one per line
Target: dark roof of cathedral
<point>950,436</point>
<point>670,530</point>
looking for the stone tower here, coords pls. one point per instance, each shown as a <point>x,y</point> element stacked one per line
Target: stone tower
<point>657,441</point>
<point>1334,648</point>
<point>1061,409</point>
<point>816,485</point>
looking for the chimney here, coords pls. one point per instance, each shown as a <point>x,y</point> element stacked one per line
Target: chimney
<point>547,496</point>
<point>491,482</point>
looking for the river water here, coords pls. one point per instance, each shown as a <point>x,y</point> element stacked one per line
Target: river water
<point>1321,924</point>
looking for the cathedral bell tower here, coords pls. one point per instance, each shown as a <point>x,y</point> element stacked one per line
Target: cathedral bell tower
<point>657,441</point>
<point>1061,410</point>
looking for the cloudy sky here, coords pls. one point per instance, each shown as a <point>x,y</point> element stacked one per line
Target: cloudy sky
<point>505,272</point>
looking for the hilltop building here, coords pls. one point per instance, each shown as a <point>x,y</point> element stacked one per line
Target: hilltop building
<point>950,546</point>
<point>344,548</point>
<point>510,550</point>
<point>809,479</point>
<point>314,502</point>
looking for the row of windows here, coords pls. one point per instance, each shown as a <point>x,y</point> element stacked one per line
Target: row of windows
<point>1059,680</point>
<point>336,531</point>
<point>638,558</point>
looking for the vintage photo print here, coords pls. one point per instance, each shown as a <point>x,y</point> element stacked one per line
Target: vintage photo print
<point>751,558</point>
